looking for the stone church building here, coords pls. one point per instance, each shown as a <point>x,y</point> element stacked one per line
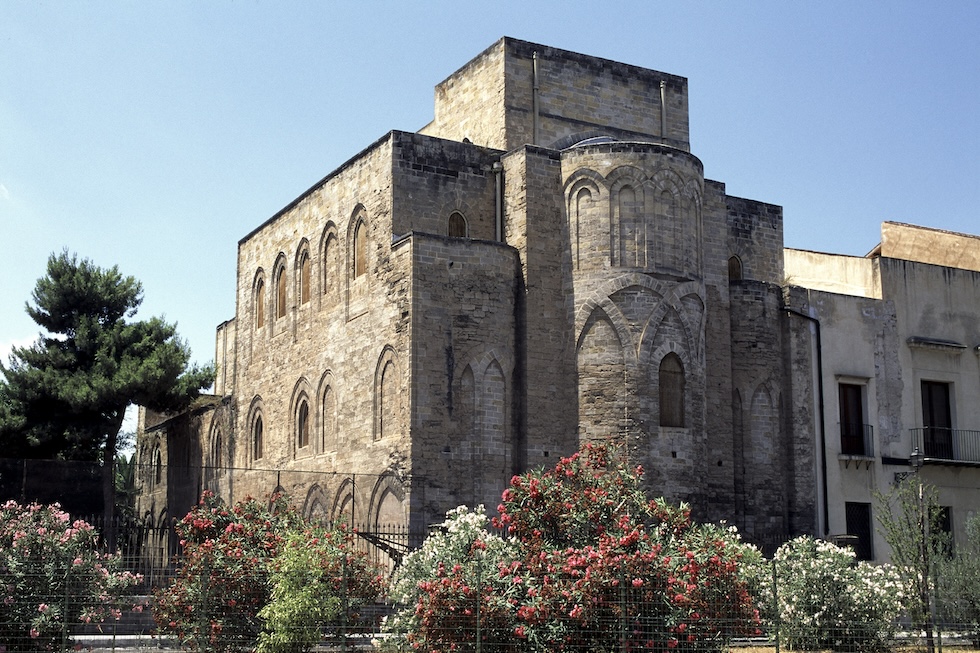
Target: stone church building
<point>543,264</point>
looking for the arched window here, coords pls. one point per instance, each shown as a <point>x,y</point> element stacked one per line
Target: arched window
<point>734,269</point>
<point>387,400</point>
<point>259,300</point>
<point>360,249</point>
<point>157,466</point>
<point>217,446</point>
<point>329,283</point>
<point>303,424</point>
<point>671,391</point>
<point>304,278</point>
<point>281,292</point>
<point>457,225</point>
<point>257,438</point>
<point>329,419</point>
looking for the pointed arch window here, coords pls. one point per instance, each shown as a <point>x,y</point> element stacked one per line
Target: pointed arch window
<point>259,300</point>
<point>457,225</point>
<point>360,249</point>
<point>257,435</point>
<point>304,278</point>
<point>671,391</point>
<point>157,466</point>
<point>281,292</point>
<point>303,424</point>
<point>329,264</point>
<point>734,269</point>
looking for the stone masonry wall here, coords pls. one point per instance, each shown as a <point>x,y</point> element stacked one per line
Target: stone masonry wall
<point>545,423</point>
<point>463,441</point>
<point>343,352</point>
<point>578,97</point>
<point>470,103</point>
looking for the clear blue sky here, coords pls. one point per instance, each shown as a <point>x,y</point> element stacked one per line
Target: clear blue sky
<point>154,135</point>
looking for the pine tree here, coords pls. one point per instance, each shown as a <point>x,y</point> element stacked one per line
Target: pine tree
<point>66,395</point>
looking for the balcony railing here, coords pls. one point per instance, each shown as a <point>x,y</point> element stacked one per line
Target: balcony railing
<point>951,445</point>
<point>856,439</point>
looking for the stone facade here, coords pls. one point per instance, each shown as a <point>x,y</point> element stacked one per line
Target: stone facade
<point>542,265</point>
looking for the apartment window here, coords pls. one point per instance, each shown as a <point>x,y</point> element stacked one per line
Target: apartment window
<point>858,516</point>
<point>671,391</point>
<point>852,421</point>
<point>457,225</point>
<point>944,521</point>
<point>937,419</point>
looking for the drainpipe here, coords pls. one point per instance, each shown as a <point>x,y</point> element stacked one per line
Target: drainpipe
<point>663,109</point>
<point>820,409</point>
<point>498,204</point>
<point>534,99</point>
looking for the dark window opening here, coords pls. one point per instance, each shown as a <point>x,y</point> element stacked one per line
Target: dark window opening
<point>734,269</point>
<point>858,516</point>
<point>937,420</point>
<point>457,225</point>
<point>671,391</point>
<point>852,426</point>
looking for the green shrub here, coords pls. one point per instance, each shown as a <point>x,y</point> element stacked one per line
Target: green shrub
<point>248,573</point>
<point>317,579</point>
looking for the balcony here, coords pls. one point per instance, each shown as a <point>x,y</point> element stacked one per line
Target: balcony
<point>947,446</point>
<point>856,439</point>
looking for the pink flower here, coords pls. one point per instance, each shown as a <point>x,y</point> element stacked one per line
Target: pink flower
<point>42,608</point>
<point>35,633</point>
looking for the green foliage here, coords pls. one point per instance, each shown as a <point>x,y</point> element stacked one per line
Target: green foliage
<point>52,576</point>
<point>911,523</point>
<point>255,574</point>
<point>959,592</point>
<point>316,580</point>
<point>66,395</point>
<point>827,601</point>
<point>588,564</point>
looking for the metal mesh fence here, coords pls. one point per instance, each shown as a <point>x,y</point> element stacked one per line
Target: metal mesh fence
<point>624,618</point>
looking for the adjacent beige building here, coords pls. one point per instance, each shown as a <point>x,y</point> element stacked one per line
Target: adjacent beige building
<point>545,264</point>
<point>900,349</point>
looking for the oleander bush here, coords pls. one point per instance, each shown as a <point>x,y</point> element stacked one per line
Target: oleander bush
<point>53,576</point>
<point>256,575</point>
<point>587,563</point>
<point>827,600</point>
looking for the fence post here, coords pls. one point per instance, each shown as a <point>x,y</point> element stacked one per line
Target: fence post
<point>479,597</point>
<point>775,604</point>
<point>344,606</point>
<point>622,613</point>
<point>64,611</point>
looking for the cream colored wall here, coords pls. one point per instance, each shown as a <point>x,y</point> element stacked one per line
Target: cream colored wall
<point>914,243</point>
<point>846,275</point>
<point>919,322</point>
<point>940,303</point>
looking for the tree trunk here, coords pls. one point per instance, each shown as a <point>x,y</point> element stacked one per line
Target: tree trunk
<point>109,482</point>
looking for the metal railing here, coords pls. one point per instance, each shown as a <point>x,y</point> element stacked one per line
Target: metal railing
<point>945,444</point>
<point>856,439</point>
